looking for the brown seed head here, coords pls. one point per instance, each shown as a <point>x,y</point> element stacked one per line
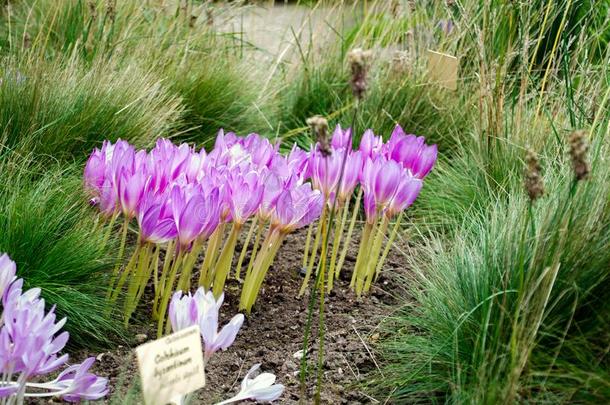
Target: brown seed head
<point>359,61</point>
<point>319,127</point>
<point>533,176</point>
<point>578,152</point>
<point>111,10</point>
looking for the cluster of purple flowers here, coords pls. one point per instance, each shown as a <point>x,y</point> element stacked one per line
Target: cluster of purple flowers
<point>30,341</point>
<point>389,175</point>
<point>184,199</point>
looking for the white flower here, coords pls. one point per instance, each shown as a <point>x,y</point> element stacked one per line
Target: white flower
<point>262,388</point>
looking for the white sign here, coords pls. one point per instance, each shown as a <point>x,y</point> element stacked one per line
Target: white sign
<point>171,366</point>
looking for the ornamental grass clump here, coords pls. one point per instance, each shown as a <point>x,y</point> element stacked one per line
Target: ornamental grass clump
<point>30,343</point>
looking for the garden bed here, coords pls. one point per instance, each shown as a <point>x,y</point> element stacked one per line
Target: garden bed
<point>274,337</point>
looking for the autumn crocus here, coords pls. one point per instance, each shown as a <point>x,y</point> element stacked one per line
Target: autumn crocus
<point>297,206</point>
<point>261,388</point>
<point>202,309</point>
<point>30,342</point>
<point>389,188</point>
<point>411,152</point>
<point>246,193</point>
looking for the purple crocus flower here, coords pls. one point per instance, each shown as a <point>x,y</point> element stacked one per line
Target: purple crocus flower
<point>7,273</point>
<point>246,195</point>
<point>194,214</point>
<point>77,384</point>
<point>30,341</point>
<point>272,188</point>
<point>298,162</point>
<point>130,186</point>
<point>326,170</point>
<point>155,218</point>
<point>296,207</point>
<point>370,145</point>
<point>407,191</point>
<point>411,152</point>
<point>202,309</point>
<point>341,138</point>
<point>351,174</point>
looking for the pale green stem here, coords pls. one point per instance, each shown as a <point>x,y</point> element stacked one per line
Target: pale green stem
<point>257,240</point>
<point>336,242</point>
<point>259,271</point>
<point>109,228</point>
<point>207,271</point>
<point>316,243</point>
<point>307,243</point>
<point>170,252</point>
<point>168,290</point>
<point>223,265</point>
<point>249,282</point>
<point>364,247</point>
<point>121,281</point>
<point>184,283</point>
<point>244,249</point>
<point>371,264</point>
<point>115,272</point>
<point>388,246</point>
<point>135,281</point>
<point>348,238</point>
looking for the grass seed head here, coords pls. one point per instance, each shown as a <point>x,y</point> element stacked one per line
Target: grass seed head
<point>533,176</point>
<point>359,63</point>
<point>578,153</point>
<point>319,126</point>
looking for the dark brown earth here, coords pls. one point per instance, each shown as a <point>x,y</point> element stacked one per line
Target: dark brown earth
<point>273,336</point>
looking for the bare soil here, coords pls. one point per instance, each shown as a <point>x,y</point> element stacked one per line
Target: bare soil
<point>273,335</point>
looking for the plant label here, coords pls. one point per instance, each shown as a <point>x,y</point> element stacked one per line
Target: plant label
<point>171,367</point>
<point>443,69</point>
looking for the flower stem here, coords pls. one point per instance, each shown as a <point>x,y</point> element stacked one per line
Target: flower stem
<point>263,261</point>
<point>207,274</point>
<point>117,266</point>
<point>168,292</point>
<point>134,283</point>
<point>307,243</point>
<point>348,237</point>
<point>316,243</point>
<point>121,281</point>
<point>244,249</point>
<point>259,234</point>
<point>388,246</point>
<point>336,242</point>
<point>170,253</point>
<point>223,265</point>
<point>184,282</point>
<point>374,257</point>
<point>359,273</point>
<point>109,228</point>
